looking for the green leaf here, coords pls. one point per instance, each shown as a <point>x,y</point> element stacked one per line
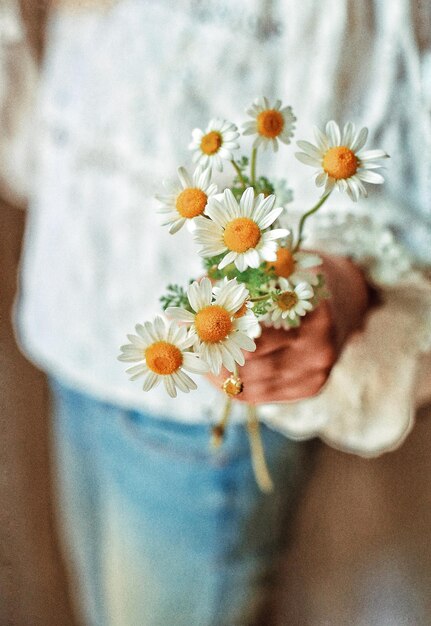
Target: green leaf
<point>175,296</point>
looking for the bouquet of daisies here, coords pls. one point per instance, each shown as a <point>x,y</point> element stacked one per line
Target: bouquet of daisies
<point>255,272</point>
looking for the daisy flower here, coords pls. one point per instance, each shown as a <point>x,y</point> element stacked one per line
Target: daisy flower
<point>292,303</point>
<point>160,349</point>
<point>247,320</point>
<point>341,161</point>
<point>295,265</point>
<point>270,123</point>
<point>215,145</point>
<point>186,201</point>
<point>240,230</point>
<point>219,335</point>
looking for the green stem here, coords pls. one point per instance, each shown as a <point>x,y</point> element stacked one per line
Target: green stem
<point>219,429</point>
<point>260,298</point>
<point>260,468</point>
<point>253,166</point>
<point>238,171</point>
<point>305,217</point>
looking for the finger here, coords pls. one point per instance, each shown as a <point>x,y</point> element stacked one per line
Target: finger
<point>261,393</point>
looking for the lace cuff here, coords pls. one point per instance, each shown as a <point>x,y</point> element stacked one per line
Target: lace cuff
<point>368,404</point>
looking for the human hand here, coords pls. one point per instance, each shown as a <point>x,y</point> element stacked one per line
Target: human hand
<point>295,364</point>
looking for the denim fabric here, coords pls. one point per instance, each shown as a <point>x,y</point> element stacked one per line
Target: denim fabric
<point>159,529</point>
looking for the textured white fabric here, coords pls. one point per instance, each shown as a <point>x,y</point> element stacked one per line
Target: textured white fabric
<point>121,90</point>
<point>18,81</point>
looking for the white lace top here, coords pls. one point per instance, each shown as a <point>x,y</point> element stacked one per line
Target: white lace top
<point>120,91</point>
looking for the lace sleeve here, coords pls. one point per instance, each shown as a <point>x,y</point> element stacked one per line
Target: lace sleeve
<point>18,79</point>
<point>368,404</point>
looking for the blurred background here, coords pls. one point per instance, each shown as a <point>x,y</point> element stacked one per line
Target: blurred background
<point>360,550</point>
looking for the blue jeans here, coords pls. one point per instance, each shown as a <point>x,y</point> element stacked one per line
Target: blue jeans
<point>158,529</point>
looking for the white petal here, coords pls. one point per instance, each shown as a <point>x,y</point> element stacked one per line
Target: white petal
<point>321,139</point>
<point>137,341</point>
<point>212,356</point>
<point>307,159</point>
<point>348,133</point>
<point>309,149</point>
<point>199,294</point>
<point>353,190</point>
<point>176,226</point>
<point>231,203</point>
<point>177,313</point>
<point>342,184</point>
<point>210,251</point>
<point>268,251</point>
<point>218,213</point>
<point>333,132</point>
<point>179,382</point>
<point>240,262</point>
<point>359,140</point>
<point>144,334</point>
<point>304,291</point>
<point>370,165</point>
<point>368,155</point>
<point>188,341</point>
<point>330,183</point>
<point>276,314</point>
<point>194,363</point>
<point>275,233</point>
<point>307,305</point>
<point>129,357</point>
<point>262,207</point>
<point>361,186</point>
<point>234,350</point>
<point>230,295</point>
<point>184,177</point>
<point>229,258</point>
<point>149,329</point>
<point>252,258</point>
<point>227,358</point>
<point>151,381</point>
<point>370,177</point>
<point>160,328</point>
<point>243,341</point>
<point>137,371</point>
<point>321,179</point>
<point>170,386</point>
<point>186,380</point>
<point>197,135</point>
<point>260,141</point>
<point>247,201</point>
<point>269,219</point>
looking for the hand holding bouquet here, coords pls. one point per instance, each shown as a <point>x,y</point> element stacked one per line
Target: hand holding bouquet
<point>257,275</point>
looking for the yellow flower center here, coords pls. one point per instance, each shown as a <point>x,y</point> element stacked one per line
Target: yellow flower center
<point>191,202</point>
<point>340,162</point>
<point>241,234</point>
<point>163,358</point>
<point>241,311</point>
<point>285,264</point>
<point>270,123</point>
<point>213,323</point>
<point>211,142</point>
<point>287,300</point>
<point>233,386</point>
